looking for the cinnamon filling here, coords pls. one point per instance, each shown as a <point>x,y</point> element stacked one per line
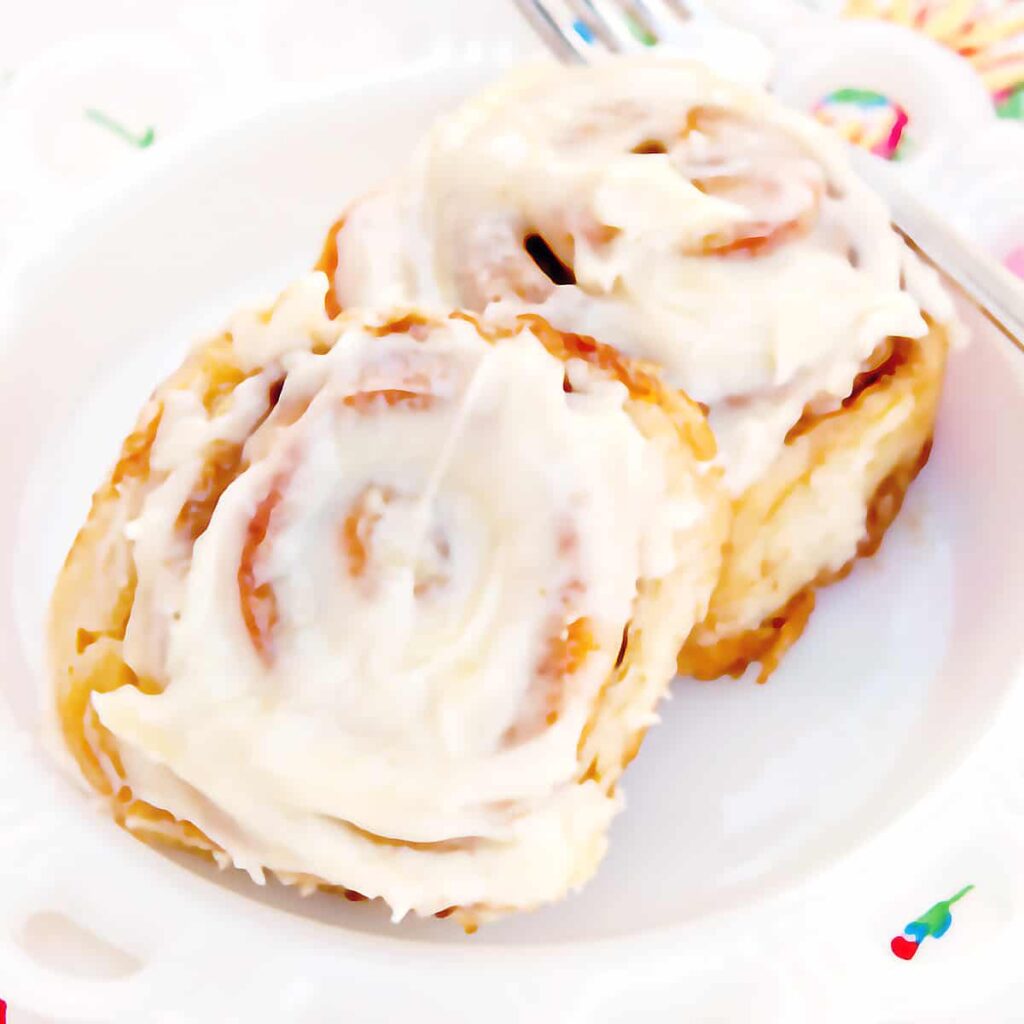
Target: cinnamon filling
<point>258,601</point>
<point>883,363</point>
<point>328,263</point>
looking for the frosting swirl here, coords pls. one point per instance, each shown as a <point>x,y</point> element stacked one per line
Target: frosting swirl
<point>676,215</point>
<point>386,584</point>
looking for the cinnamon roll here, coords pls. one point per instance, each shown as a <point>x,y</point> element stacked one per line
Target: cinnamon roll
<point>698,224</point>
<point>385,603</point>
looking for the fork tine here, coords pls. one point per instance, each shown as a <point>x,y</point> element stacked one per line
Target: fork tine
<point>682,9</point>
<point>608,21</point>
<point>596,23</point>
<point>644,26</point>
<point>660,16</point>
<point>563,40</point>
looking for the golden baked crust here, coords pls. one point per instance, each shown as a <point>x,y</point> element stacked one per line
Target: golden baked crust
<point>95,591</point>
<point>756,612</point>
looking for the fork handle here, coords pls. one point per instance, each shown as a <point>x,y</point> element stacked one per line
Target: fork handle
<point>995,291</point>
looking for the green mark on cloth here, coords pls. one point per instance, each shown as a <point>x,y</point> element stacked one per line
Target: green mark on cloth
<point>1011,104</point>
<point>935,922</point>
<point>143,141</point>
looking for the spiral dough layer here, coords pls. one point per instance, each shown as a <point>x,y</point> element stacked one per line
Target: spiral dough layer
<point>385,602</point>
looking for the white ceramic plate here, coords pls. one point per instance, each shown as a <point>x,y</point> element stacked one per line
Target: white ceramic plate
<point>776,838</point>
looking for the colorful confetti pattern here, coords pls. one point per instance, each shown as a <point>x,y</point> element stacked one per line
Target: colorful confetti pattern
<point>865,118</point>
<point>1010,103</point>
<point>988,34</point>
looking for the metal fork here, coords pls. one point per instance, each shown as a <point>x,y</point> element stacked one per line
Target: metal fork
<point>577,31</point>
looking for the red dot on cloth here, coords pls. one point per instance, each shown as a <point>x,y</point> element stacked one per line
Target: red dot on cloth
<point>904,948</point>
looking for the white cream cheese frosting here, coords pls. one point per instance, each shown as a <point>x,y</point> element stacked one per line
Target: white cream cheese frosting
<point>378,660</point>
<point>707,228</point>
